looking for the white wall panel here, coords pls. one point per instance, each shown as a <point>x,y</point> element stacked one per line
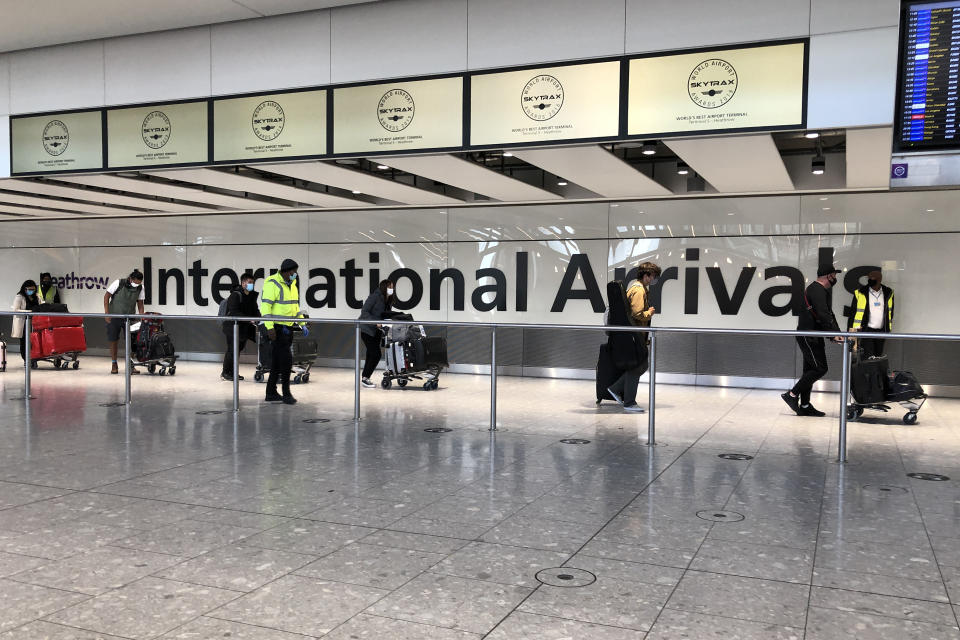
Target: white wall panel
<point>830,16</point>
<point>271,53</point>
<point>63,77</point>
<point>4,84</point>
<point>158,66</point>
<point>269,228</point>
<point>133,231</point>
<point>39,233</point>
<point>390,39</point>
<point>379,225</point>
<point>655,25</point>
<point>513,32</point>
<point>4,146</point>
<point>853,78</point>
<point>532,222</point>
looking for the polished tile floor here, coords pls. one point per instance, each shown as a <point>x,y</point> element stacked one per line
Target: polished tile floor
<point>289,523</point>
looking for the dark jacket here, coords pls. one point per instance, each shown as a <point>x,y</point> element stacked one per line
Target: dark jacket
<point>861,310</point>
<point>816,313</point>
<point>375,307</point>
<point>244,306</point>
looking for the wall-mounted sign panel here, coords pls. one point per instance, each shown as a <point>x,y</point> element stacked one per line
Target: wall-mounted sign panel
<point>568,102</point>
<point>748,88</point>
<point>157,135</point>
<point>398,116</point>
<point>281,125</point>
<point>58,142</point>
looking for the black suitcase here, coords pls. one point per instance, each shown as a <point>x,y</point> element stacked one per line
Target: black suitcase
<point>903,386</point>
<point>868,380</point>
<point>607,373</point>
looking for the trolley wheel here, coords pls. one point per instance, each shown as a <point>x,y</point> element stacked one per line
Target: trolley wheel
<point>910,418</point>
<point>58,363</point>
<point>402,382</point>
<point>434,384</point>
<point>76,364</point>
<point>163,371</point>
<point>306,378</point>
<point>859,412</point>
<point>258,376</point>
<point>172,370</point>
<point>152,368</point>
<point>852,413</point>
<point>297,379</point>
<point>386,383</point>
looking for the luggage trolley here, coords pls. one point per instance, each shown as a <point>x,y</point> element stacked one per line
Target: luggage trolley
<point>873,386</point>
<point>304,349</point>
<point>411,355</point>
<point>153,348</point>
<point>58,340</point>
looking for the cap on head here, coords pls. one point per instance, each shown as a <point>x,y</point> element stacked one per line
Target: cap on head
<point>288,265</point>
<point>826,270</point>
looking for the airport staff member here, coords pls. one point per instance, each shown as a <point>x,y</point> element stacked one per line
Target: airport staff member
<point>280,299</point>
<point>624,390</point>
<point>123,296</point>
<point>48,291</point>
<point>873,313</point>
<point>242,302</point>
<point>816,315</point>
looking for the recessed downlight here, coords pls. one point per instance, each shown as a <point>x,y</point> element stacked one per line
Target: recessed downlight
<point>355,192</point>
<point>382,167</point>
<point>683,168</point>
<point>811,135</point>
<point>649,148</point>
<point>507,154</point>
<point>562,183</point>
<point>818,165</point>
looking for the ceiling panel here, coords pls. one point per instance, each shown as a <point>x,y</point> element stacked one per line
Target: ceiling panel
<point>469,176</point>
<point>16,198</point>
<point>163,190</point>
<point>736,164</point>
<point>40,213</point>
<point>868,157</point>
<point>594,168</point>
<point>353,180</point>
<point>247,184</point>
<point>77,193</point>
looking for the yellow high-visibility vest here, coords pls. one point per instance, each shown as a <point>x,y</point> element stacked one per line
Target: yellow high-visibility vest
<point>279,299</point>
<point>861,310</point>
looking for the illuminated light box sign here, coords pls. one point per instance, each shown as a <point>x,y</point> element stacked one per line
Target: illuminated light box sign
<point>279,125</point>
<point>747,88</point>
<point>398,116</point>
<point>157,135</point>
<point>57,142</point>
<point>570,102</point>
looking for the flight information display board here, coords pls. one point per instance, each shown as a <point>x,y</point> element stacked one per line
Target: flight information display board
<point>929,69</point>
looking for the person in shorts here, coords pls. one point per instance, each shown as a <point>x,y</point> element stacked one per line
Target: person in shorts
<point>123,296</point>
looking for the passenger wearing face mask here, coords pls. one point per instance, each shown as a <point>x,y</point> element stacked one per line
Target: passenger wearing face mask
<point>280,304</point>
<point>816,315</point>
<point>126,296</point>
<point>624,390</point>
<point>25,300</point>
<point>242,302</point>
<point>48,291</point>
<point>872,313</point>
<point>376,307</point>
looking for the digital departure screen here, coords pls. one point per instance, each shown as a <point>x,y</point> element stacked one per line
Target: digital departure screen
<point>929,68</point>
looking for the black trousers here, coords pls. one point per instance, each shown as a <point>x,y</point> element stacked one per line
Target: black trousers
<point>282,361</point>
<point>814,366</point>
<point>23,349</point>
<point>228,356</point>
<point>872,346</point>
<point>374,353</point>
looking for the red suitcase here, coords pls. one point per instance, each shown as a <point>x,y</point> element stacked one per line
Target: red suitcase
<point>51,322</point>
<point>37,349</point>
<point>64,340</point>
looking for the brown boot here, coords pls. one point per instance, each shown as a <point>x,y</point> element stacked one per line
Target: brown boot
<point>113,367</point>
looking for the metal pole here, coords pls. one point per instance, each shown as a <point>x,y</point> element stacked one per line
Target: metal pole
<point>356,372</point>
<point>236,367</point>
<point>652,385</point>
<point>844,395</point>
<point>28,361</point>
<point>493,378</point>
<point>129,359</point>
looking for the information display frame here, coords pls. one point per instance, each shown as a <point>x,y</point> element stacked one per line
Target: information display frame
<point>900,111</point>
<point>12,152</point>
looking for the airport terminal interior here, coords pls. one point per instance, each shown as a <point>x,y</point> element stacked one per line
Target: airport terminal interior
<point>427,219</point>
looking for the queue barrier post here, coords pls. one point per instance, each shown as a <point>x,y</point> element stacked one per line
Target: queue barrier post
<point>652,386</point>
<point>128,365</point>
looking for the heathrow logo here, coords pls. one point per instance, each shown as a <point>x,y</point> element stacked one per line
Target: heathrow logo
<point>268,120</point>
<point>156,129</point>
<point>542,98</point>
<point>396,110</point>
<point>712,83</point>
<point>56,138</point>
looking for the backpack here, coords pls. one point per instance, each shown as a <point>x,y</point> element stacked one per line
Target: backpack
<point>222,309</point>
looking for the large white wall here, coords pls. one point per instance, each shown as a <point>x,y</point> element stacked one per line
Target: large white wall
<point>853,50</point>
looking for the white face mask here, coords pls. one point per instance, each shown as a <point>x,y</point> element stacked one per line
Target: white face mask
<point>134,284</point>
<point>389,292</point>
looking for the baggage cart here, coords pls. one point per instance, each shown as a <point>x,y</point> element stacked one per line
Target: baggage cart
<point>874,387</point>
<point>153,348</point>
<point>411,355</point>
<point>303,348</point>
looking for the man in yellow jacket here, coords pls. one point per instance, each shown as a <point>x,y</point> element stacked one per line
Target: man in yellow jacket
<point>872,313</point>
<point>280,307</point>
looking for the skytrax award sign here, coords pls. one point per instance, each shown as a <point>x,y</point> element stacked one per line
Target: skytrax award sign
<point>750,88</point>
<point>57,142</point>
<point>281,125</point>
<point>157,135</point>
<point>398,116</point>
<point>569,102</point>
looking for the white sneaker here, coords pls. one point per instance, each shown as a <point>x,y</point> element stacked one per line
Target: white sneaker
<point>633,408</point>
<point>614,396</point>
<point>366,383</point>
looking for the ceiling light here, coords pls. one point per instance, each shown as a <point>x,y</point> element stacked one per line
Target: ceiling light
<point>731,214</point>
<point>824,198</point>
<point>811,135</point>
<point>930,210</point>
<point>817,166</point>
<point>683,168</point>
<point>561,183</point>
<point>826,208</point>
<point>355,192</point>
<point>507,154</point>
<point>649,148</point>
<point>382,167</point>
<point>347,161</point>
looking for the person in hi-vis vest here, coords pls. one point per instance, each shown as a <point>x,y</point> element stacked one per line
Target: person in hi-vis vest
<point>280,306</point>
<point>872,308</point>
<point>48,290</point>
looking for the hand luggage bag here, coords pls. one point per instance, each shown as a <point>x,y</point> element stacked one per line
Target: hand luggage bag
<point>63,340</point>
<point>607,373</point>
<point>903,386</point>
<point>868,380</point>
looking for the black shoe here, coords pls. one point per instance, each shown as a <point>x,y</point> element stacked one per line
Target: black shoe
<point>227,376</point>
<point>792,401</point>
<point>810,410</point>
<point>273,397</point>
<point>289,399</point>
